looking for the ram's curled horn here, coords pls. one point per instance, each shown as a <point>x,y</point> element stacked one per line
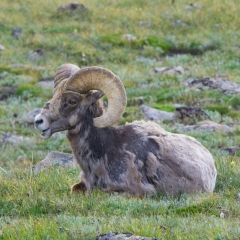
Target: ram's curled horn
<point>96,78</point>
<point>64,72</point>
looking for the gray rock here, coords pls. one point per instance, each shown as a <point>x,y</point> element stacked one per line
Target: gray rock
<point>17,33</point>
<point>192,6</point>
<point>231,150</point>
<point>206,126</point>
<point>219,82</point>
<point>46,83</point>
<point>121,236</point>
<point>168,71</point>
<point>238,196</point>
<point>57,159</point>
<point>154,114</point>
<point>179,23</point>
<point>14,139</point>
<point>224,213</point>
<point>18,65</point>
<point>35,54</point>
<point>70,7</point>
<point>28,118</point>
<point>21,157</point>
<point>189,115</point>
<point>144,23</point>
<point>129,37</point>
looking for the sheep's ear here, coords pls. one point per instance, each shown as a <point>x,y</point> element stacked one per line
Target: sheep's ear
<point>94,95</point>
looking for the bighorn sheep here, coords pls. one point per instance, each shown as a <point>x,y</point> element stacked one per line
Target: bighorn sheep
<point>138,158</point>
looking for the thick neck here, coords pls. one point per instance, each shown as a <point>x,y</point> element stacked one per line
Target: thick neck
<point>85,141</point>
<point>84,135</point>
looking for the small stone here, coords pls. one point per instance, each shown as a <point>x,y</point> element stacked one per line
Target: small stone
<point>56,159</point>
<point>35,54</point>
<point>129,37</point>
<point>179,69</point>
<point>238,196</point>
<point>206,126</point>
<point>14,139</point>
<point>72,7</point>
<point>17,33</point>
<point>168,71</point>
<point>179,23</point>
<point>224,213</point>
<point>209,126</point>
<point>193,6</point>
<point>121,236</point>
<point>144,23</point>
<point>219,82</point>
<point>46,83</point>
<point>1,47</point>
<point>231,150</point>
<point>18,65</point>
<point>159,70</point>
<point>21,158</point>
<point>155,114</point>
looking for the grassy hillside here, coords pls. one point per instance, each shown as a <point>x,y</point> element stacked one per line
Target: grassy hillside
<point>203,38</point>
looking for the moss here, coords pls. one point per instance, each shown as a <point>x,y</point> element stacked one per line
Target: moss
<point>193,47</point>
<point>117,40</point>
<point>235,102</point>
<point>21,71</point>
<point>4,29</point>
<point>24,89</point>
<point>129,83</point>
<point>128,116</point>
<point>213,97</point>
<point>61,29</point>
<point>3,111</point>
<point>113,39</point>
<point>156,42</point>
<point>163,107</point>
<point>234,114</point>
<point>221,109</point>
<point>170,94</point>
<point>238,154</point>
<point>207,207</point>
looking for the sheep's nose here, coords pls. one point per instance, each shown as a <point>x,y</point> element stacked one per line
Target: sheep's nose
<point>39,121</point>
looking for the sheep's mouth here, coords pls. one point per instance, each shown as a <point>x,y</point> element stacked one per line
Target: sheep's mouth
<point>45,130</point>
<point>46,133</point>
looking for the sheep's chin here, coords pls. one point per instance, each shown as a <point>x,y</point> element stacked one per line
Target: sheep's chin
<point>47,133</point>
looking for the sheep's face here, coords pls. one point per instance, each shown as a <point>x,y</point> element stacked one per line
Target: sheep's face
<point>64,111</point>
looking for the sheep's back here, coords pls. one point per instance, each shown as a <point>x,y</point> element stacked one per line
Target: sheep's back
<point>180,163</point>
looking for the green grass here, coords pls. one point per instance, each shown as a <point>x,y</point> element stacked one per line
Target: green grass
<point>204,41</point>
<point>42,206</point>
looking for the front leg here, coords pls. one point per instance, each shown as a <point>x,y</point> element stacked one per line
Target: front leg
<point>78,188</point>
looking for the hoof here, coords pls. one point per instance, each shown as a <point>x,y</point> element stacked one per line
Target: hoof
<point>78,188</point>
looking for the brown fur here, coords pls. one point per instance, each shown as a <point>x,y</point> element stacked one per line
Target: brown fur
<point>138,159</point>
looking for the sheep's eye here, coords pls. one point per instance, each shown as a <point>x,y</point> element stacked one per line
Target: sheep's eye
<point>72,102</point>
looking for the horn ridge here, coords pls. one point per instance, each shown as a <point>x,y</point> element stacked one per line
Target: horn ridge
<point>64,71</point>
<point>97,78</point>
